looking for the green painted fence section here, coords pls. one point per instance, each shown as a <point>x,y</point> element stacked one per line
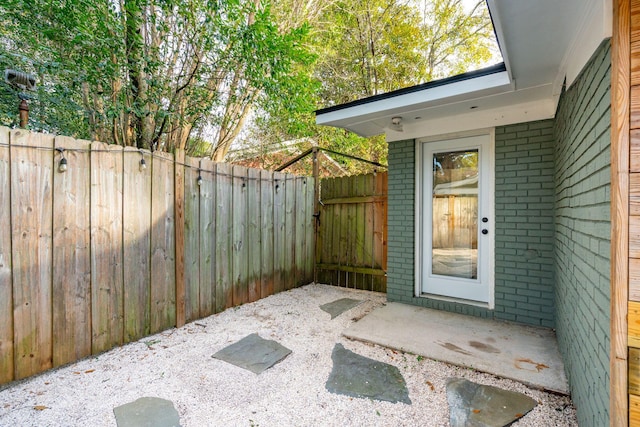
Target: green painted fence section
<point>352,232</point>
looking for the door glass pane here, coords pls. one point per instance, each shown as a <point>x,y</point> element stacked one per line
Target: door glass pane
<point>455,214</point>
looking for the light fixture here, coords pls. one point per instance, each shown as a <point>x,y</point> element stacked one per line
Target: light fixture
<point>143,164</point>
<point>62,165</point>
<point>199,178</point>
<point>396,124</point>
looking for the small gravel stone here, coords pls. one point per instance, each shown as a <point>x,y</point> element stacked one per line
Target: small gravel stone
<point>177,365</point>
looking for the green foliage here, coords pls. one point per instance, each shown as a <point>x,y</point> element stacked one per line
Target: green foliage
<point>152,73</point>
<point>368,47</point>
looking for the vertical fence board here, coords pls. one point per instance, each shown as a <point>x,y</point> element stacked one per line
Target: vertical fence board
<point>192,239</point>
<point>310,224</point>
<point>163,249</point>
<point>279,232</point>
<point>267,221</point>
<point>300,243</point>
<point>290,232</point>
<point>224,288</point>
<point>136,223</point>
<point>107,293</point>
<point>31,251</point>
<point>207,234</point>
<point>71,255</point>
<point>6,285</point>
<point>254,234</point>
<point>240,243</point>
<point>179,230</point>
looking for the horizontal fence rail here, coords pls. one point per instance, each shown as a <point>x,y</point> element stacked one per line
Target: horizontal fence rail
<point>352,233</point>
<point>125,243</point>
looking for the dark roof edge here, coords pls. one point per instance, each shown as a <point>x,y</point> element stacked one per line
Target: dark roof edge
<point>498,68</point>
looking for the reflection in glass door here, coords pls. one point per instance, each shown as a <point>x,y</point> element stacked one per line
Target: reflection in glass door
<point>457,209</point>
<point>454,205</point>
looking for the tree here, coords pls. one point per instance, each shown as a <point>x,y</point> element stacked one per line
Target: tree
<point>368,47</point>
<point>154,73</point>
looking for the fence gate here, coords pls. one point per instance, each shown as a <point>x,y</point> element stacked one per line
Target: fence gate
<point>351,246</point>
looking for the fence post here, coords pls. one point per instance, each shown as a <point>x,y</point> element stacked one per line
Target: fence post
<point>316,211</point>
<point>179,230</point>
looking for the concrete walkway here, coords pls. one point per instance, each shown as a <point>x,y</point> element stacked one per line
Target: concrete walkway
<point>523,353</point>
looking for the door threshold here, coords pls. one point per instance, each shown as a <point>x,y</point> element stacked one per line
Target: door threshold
<point>480,304</point>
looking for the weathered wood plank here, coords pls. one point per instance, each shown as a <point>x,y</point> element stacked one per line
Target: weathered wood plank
<point>254,234</point>
<point>224,235</point>
<point>163,249</point>
<point>136,223</point>
<point>31,210</point>
<point>353,269</point>
<point>634,324</point>
<point>634,194</point>
<point>207,238</point>
<point>267,222</point>
<point>192,239</point>
<point>634,236</point>
<point>279,232</point>
<point>634,412</point>
<point>300,243</point>
<point>71,256</point>
<point>634,371</point>
<point>620,227</point>
<point>289,248</point>
<point>179,229</point>
<point>380,234</point>
<point>6,284</point>
<point>239,260</point>
<point>634,279</point>
<point>310,223</point>
<point>107,292</point>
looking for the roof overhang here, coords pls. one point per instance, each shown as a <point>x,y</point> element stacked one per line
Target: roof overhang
<point>544,43</point>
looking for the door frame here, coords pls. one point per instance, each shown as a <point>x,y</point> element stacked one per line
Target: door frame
<point>420,215</point>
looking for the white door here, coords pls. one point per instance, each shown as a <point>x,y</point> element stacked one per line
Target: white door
<point>457,218</point>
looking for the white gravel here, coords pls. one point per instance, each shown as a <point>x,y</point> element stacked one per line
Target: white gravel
<point>177,365</point>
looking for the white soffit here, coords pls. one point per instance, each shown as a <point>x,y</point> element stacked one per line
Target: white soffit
<point>542,41</point>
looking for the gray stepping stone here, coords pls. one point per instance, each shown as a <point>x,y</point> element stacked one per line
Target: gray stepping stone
<point>253,353</point>
<point>147,412</point>
<point>358,376</point>
<point>476,405</point>
<point>338,307</point>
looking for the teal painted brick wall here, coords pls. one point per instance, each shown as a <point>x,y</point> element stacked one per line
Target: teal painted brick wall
<point>582,176</point>
<point>524,206</point>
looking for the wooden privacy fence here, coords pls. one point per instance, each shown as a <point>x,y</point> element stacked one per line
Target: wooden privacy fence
<point>126,243</point>
<point>352,234</point>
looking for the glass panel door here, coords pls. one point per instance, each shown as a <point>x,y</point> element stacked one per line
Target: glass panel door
<point>457,209</point>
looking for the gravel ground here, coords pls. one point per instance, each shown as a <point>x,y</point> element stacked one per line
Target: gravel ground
<point>177,365</point>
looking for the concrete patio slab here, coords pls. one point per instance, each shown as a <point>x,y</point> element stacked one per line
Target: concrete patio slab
<point>523,353</point>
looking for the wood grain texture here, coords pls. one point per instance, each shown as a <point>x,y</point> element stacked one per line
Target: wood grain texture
<point>192,240</point>
<point>207,233</point>
<point>300,239</point>
<point>240,246</point>
<point>6,283</point>
<point>224,237</point>
<point>279,275</point>
<point>163,247</point>
<point>254,235</point>
<point>290,232</point>
<point>634,411</point>
<point>311,233</point>
<point>634,371</point>
<point>179,229</point>
<point>107,289</point>
<point>31,210</point>
<point>71,257</point>
<point>634,324</point>
<point>620,227</point>
<point>136,201</point>
<point>266,228</point>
